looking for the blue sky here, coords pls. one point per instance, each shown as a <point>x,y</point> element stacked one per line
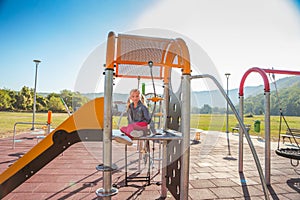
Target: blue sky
<point>59,33</point>
<point>63,33</point>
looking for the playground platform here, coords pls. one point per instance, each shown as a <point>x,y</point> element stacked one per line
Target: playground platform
<point>213,174</point>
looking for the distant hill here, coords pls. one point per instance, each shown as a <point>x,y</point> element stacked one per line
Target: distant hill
<point>214,97</point>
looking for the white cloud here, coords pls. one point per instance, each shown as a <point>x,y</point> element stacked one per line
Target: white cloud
<point>235,34</point>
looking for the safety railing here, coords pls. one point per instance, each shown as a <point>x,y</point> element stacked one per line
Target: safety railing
<point>29,123</point>
<point>48,124</point>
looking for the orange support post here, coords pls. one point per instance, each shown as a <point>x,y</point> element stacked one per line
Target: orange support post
<point>49,119</point>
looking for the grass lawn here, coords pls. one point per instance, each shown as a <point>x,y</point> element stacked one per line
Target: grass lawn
<point>8,119</point>
<point>218,122</point>
<point>215,122</point>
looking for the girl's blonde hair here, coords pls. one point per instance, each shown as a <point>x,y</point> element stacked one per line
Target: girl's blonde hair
<point>143,100</point>
<point>134,90</point>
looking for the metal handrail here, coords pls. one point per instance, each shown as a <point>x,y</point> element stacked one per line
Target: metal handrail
<point>253,151</point>
<point>37,123</point>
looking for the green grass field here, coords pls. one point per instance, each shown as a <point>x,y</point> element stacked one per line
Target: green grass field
<point>8,119</point>
<point>215,122</point>
<point>218,122</point>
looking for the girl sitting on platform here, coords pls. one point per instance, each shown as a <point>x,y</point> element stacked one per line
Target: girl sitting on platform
<point>138,116</point>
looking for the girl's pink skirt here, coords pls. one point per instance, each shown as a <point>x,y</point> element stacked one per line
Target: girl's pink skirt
<point>140,126</point>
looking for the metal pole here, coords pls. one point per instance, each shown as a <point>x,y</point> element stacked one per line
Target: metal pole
<point>164,161</point>
<point>166,106</point>
<point>164,171</point>
<point>107,142</point>
<point>241,136</point>
<point>185,129</point>
<point>107,191</point>
<point>34,98</point>
<point>227,132</point>
<point>267,138</point>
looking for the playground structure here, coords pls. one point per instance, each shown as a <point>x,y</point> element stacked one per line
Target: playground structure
<point>130,56</point>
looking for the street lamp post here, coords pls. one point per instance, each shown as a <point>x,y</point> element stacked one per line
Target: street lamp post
<point>227,132</point>
<point>37,62</point>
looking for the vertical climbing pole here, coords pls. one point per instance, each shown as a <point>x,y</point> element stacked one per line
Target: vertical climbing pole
<point>165,117</point>
<point>185,119</point>
<point>186,136</point>
<point>267,139</point>
<point>166,97</point>
<point>107,191</point>
<point>241,134</point>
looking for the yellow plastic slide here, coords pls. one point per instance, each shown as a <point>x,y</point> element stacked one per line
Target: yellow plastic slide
<point>86,124</point>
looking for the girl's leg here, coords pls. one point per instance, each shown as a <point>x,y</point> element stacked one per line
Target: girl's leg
<point>139,129</point>
<point>140,126</point>
<point>127,130</point>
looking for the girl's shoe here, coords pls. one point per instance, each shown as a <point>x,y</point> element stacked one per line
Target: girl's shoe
<point>136,134</point>
<point>123,139</point>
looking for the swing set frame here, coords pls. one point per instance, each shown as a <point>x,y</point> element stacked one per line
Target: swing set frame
<point>263,73</point>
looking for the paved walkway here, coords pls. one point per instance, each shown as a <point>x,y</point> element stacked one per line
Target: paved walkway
<point>213,174</point>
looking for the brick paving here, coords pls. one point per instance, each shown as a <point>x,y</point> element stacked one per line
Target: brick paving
<point>213,174</point>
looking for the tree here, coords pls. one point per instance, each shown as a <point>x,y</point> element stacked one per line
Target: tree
<point>5,100</point>
<point>41,103</point>
<point>67,96</point>
<point>52,95</point>
<point>55,104</point>
<point>220,110</point>
<point>13,100</point>
<point>274,104</point>
<point>248,106</point>
<point>206,109</point>
<point>78,100</point>
<point>24,100</point>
